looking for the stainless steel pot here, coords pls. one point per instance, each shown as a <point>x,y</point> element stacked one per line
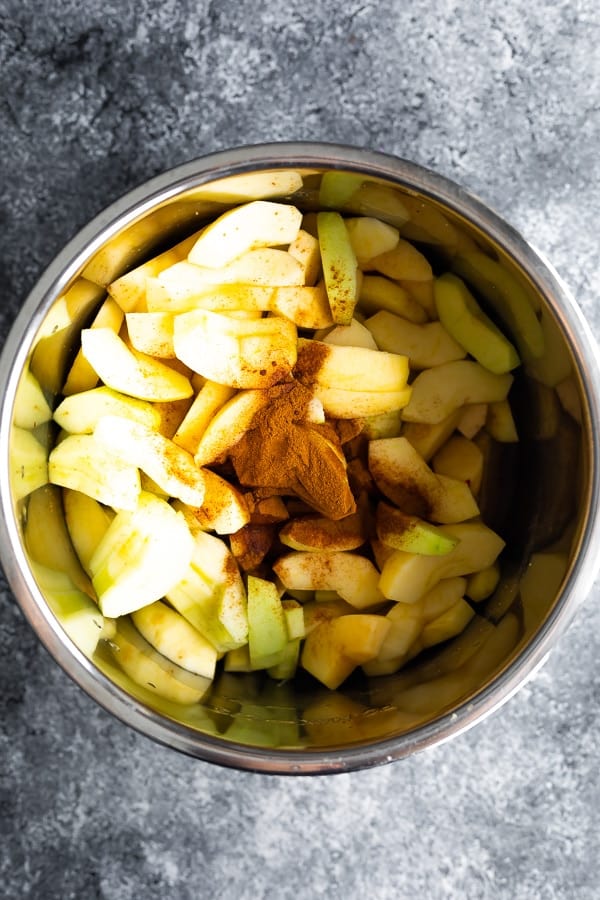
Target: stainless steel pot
<point>544,496</point>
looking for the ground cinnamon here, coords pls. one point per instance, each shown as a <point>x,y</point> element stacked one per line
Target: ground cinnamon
<point>283,451</point>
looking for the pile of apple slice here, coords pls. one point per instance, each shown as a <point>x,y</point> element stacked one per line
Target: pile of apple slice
<point>190,567</point>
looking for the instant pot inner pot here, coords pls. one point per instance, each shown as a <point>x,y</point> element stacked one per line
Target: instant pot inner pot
<point>530,492</point>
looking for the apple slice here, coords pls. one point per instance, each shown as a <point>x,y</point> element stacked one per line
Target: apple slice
<point>82,374</point>
<point>129,371</point>
<point>338,188</point>
<point>76,612</point>
<point>406,577</point>
<point>403,263</point>
<point>223,509</point>
<point>370,237</point>
<point>82,463</point>
<point>339,266</point>
<point>31,407</point>
<point>353,335</point>
<point>267,630</point>
<point>250,186</point>
<point>80,413</point>
<point>172,636</point>
<point>471,419</point>
<point>87,522</point>
<point>507,297</point>
<point>404,532</point>
<point>427,439</point>
<point>171,467</point>
<point>28,463</point>
<point>236,352</point>
<point>461,315</point>
<point>500,423</point>
<point>260,223</point>
<point>151,333</point>
<point>402,475</point>
<point>350,368</point>
<point>380,293</point>
<point>450,623</point>
<point>322,656</point>
<point>354,577</point>
<point>141,556</point>
<point>437,392</point>
<point>318,533</point>
<point>424,345</point>
<point>482,584</point>
<point>307,307</point>
<point>340,404</point>
<point>305,248</point>
<point>153,671</point>
<point>211,594</point>
<point>209,399</point>
<point>462,460</point>
<point>229,425</point>
<point>406,623</point>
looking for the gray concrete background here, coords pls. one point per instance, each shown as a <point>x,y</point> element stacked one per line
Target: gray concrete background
<point>97,97</point>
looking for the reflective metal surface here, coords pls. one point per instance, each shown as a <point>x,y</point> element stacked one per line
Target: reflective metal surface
<point>550,520</point>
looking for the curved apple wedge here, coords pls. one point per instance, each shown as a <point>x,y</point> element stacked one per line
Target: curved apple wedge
<point>439,391</point>
<point>350,368</point>
<point>171,467</point>
<point>129,371</point>
<point>354,577</point>
<point>404,532</point>
<point>173,636</point>
<point>340,269</point>
<point>84,464</point>
<point>80,413</point>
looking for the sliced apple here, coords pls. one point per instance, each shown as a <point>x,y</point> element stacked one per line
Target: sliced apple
<point>151,333</point>
<point>354,577</point>
<point>82,374</point>
<point>424,345</point>
<point>76,612</point>
<point>402,475</point>
<point>251,186</point>
<point>370,237</point>
<point>438,392</point>
<point>229,425</point>
<point>500,423</point>
<point>405,625</point>
<point>318,533</point>
<point>170,466</point>
<point>223,509</point>
<point>260,223</point>
<point>84,464</point>
<point>129,371</point>
<point>403,263</point>
<point>353,335</point>
<point>461,459</point>
<point>28,463</point>
<point>471,419</point>
<point>209,399</point>
<point>339,266</point>
<point>450,623</point>
<point>238,353</point>
<point>443,596</point>
<point>267,630</point>
<point>87,522</point>
<point>482,584</point>
<point>406,577</point>
<point>173,636</point>
<point>380,293</point>
<point>143,553</point>
<point>427,439</point>
<point>350,368</point>
<point>340,404</point>
<point>404,532</point>
<point>31,407</point>
<point>307,307</point>
<point>80,413</point>
<point>305,248</point>
<point>153,671</point>
<point>211,594</point>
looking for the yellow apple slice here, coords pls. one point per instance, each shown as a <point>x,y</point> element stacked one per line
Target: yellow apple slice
<point>350,368</point>
<point>354,577</point>
<point>402,475</point>
<point>307,307</point>
<point>129,371</point>
<point>144,552</point>
<point>339,266</point>
<point>229,425</point>
<point>405,532</point>
<point>341,404</point>
<point>209,399</point>
<point>223,509</point>
<point>353,335</point>
<point>31,407</point>
<point>482,584</point>
<point>170,466</point>
<point>173,636</point>
<point>370,237</point>
<point>87,522</point>
<point>76,612</point>
<point>251,186</point>
<point>260,223</point>
<point>406,577</point>
<point>151,333</point>
<point>82,463</point>
<point>305,248</point>
<point>403,263</point>
<point>80,413</point>
<point>318,533</point>
<point>471,419</point>
<point>448,624</point>
<point>210,594</point>
<point>267,630</point>
<point>237,352</point>
<point>379,293</point>
<point>425,345</point>
<point>28,463</point>
<point>405,625</point>
<point>129,290</point>
<point>153,671</point>
<point>461,459</point>
<point>82,375</point>
<point>437,392</point>
<point>427,439</point>
<point>500,423</point>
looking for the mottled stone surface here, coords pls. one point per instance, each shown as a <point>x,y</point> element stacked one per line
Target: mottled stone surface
<point>95,98</point>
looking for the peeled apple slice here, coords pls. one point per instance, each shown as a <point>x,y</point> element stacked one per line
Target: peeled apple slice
<point>354,577</point>
<point>170,466</point>
<point>403,532</point>
<point>82,463</point>
<point>350,368</point>
<point>425,345</point>
<point>257,224</point>
<point>80,413</point>
<point>153,671</point>
<point>370,237</point>
<point>28,463</point>
<point>236,352</point>
<point>31,406</point>
<point>438,392</point>
<point>129,371</point>
<point>407,576</point>
<point>267,629</point>
<point>342,404</point>
<point>175,638</point>
<point>142,555</point>
<point>339,266</point>
<point>87,523</point>
<point>78,615</point>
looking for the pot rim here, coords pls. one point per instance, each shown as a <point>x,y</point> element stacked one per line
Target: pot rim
<point>302,155</point>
